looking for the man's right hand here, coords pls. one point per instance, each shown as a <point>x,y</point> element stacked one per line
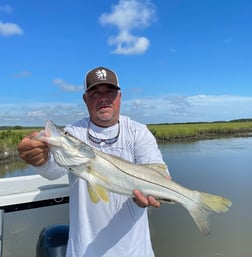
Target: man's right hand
<point>32,151</point>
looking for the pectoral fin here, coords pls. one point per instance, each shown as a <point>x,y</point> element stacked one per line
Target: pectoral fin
<point>97,193</point>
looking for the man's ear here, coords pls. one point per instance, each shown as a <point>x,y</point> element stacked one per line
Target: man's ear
<point>84,97</point>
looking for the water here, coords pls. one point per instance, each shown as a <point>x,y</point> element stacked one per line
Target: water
<point>221,167</point>
<point>217,166</point>
<point>14,169</point>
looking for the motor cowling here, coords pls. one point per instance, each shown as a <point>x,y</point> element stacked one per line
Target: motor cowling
<point>52,241</point>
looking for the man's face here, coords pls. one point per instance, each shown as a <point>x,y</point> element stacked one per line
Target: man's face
<point>103,103</point>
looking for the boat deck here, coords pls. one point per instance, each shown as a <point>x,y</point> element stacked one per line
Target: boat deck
<point>27,205</point>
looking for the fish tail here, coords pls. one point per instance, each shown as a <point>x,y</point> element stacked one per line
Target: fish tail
<point>206,204</point>
<point>214,202</point>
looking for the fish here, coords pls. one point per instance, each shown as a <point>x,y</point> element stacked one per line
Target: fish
<point>106,173</point>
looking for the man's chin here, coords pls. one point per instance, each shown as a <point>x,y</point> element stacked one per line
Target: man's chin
<point>105,117</point>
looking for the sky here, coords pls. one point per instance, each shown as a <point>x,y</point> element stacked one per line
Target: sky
<point>177,60</point>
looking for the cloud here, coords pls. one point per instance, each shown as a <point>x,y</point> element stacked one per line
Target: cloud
<point>129,15</point>
<point>197,108</point>
<point>128,44</point>
<point>163,109</point>
<point>10,29</point>
<point>35,114</point>
<point>7,28</point>
<point>67,87</point>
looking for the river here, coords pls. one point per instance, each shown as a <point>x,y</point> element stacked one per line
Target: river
<point>219,166</point>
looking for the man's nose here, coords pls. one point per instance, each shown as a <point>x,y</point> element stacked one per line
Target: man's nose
<point>104,99</point>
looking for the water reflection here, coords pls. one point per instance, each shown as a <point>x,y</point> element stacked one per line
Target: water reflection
<point>14,168</point>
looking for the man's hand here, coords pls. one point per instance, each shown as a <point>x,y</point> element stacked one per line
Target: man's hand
<point>143,201</point>
<point>32,151</point>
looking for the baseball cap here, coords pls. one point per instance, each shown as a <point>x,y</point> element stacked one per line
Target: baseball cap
<point>101,75</point>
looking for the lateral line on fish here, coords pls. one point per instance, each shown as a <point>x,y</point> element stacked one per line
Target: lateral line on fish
<point>134,176</point>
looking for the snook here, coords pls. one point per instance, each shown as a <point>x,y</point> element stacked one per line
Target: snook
<point>104,173</point>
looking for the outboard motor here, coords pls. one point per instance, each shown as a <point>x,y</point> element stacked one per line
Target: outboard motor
<point>52,241</point>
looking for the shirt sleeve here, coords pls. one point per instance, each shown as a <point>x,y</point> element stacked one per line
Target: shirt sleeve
<point>146,147</point>
<point>50,170</point>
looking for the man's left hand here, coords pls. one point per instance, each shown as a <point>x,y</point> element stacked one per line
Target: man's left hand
<point>145,201</point>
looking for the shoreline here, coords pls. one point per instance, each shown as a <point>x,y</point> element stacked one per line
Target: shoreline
<point>164,133</point>
<point>10,157</point>
<point>6,156</point>
<point>184,139</point>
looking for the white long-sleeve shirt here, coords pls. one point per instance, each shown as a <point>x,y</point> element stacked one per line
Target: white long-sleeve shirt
<point>120,227</point>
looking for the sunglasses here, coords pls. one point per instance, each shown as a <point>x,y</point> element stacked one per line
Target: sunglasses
<point>107,141</point>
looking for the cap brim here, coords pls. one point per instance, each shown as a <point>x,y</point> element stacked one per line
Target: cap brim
<point>102,83</point>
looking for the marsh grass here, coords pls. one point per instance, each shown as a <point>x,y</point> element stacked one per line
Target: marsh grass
<point>9,139</point>
<point>197,131</point>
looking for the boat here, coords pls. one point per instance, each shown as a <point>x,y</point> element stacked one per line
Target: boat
<point>31,208</point>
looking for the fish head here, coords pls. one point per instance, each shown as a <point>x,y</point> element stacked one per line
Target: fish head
<point>52,134</point>
<point>67,150</point>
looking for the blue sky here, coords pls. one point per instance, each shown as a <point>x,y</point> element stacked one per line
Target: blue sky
<point>177,60</point>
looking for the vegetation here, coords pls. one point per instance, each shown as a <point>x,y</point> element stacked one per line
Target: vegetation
<point>198,131</point>
<point>11,136</point>
<point>9,139</point>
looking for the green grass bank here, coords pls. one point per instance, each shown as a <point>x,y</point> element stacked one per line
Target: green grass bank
<point>199,131</point>
<point>164,133</point>
<point>9,139</point>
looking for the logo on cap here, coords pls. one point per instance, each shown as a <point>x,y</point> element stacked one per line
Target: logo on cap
<point>101,74</point>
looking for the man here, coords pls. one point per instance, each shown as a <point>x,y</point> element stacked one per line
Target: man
<point>120,227</point>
